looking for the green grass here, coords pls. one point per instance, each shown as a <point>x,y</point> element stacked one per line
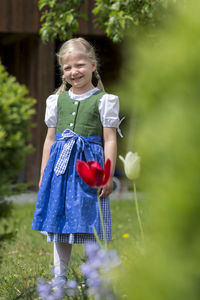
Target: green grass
<point>27,256</point>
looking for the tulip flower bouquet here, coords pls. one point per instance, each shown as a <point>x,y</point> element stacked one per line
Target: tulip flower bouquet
<point>96,177</point>
<point>132,170</point>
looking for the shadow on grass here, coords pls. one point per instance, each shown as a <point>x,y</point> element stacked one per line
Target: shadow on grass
<point>5,208</point>
<point>7,236</point>
<point>5,213</point>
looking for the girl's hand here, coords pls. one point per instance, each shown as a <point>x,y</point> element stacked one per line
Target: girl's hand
<point>110,151</point>
<point>107,189</point>
<point>41,175</point>
<point>40,181</point>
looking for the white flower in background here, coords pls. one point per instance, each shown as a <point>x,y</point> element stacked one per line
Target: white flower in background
<point>131,165</point>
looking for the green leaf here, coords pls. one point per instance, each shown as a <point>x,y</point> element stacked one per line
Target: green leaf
<point>41,4</point>
<point>115,6</point>
<point>69,18</point>
<point>96,10</point>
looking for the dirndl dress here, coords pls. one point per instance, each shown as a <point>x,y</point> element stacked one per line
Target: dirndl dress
<point>67,208</point>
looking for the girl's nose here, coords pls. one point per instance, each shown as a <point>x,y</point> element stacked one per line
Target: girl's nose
<point>74,71</point>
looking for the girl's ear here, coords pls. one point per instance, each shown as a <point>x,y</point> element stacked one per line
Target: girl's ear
<point>94,66</point>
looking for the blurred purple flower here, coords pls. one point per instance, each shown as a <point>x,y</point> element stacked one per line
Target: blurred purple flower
<point>51,297</point>
<point>91,249</point>
<point>43,289</point>
<point>71,288</point>
<point>72,284</point>
<point>99,261</point>
<point>56,289</point>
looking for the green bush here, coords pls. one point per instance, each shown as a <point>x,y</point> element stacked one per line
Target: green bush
<point>164,87</point>
<point>16,110</point>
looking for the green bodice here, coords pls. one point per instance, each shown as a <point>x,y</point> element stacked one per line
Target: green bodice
<point>82,117</point>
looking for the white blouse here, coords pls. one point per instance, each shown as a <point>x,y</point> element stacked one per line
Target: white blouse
<point>108,108</point>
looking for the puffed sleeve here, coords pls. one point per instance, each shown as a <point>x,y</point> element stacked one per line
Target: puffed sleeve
<point>51,111</point>
<point>109,110</point>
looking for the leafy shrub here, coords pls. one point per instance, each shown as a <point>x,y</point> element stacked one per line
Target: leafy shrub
<point>16,110</point>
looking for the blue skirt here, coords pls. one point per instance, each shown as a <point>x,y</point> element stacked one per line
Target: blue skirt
<point>67,208</point>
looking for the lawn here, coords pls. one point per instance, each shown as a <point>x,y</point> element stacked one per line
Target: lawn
<point>27,256</point>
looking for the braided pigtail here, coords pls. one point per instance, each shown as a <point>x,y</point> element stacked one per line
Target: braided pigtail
<point>100,83</point>
<point>63,87</point>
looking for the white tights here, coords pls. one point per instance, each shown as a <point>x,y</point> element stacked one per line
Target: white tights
<point>62,252</point>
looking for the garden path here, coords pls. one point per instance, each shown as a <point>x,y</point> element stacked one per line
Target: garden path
<point>30,197</point>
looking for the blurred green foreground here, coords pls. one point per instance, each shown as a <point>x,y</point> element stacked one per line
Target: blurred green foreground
<point>164,84</point>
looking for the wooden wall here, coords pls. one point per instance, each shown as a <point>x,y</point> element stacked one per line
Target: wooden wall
<point>34,64</point>
<point>23,16</point>
<point>88,27</point>
<point>19,16</point>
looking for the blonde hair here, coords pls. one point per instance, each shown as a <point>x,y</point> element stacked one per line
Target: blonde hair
<point>89,50</point>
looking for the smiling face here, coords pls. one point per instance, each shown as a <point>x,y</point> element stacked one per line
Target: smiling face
<point>77,71</point>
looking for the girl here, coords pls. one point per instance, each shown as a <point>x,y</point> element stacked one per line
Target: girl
<point>79,121</point>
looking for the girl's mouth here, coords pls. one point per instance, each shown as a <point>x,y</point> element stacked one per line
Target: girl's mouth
<point>77,78</point>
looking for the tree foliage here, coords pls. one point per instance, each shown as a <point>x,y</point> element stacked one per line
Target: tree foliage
<point>115,17</point>
<point>60,18</point>
<point>16,110</point>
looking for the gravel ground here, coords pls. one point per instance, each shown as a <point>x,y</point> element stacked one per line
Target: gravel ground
<point>30,197</point>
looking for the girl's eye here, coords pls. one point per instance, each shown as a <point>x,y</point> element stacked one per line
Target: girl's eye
<point>66,68</point>
<point>80,65</point>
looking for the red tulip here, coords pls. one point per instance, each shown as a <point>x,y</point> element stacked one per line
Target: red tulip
<point>92,173</point>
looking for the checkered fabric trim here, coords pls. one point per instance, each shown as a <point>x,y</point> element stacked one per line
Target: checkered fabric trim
<point>63,160</point>
<point>82,238</point>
